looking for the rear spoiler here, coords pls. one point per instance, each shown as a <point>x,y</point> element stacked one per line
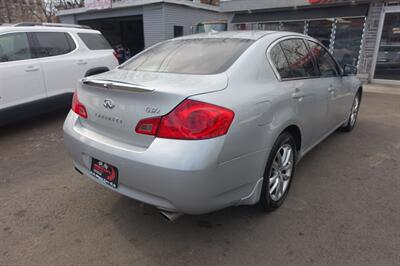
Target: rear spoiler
<point>115,85</point>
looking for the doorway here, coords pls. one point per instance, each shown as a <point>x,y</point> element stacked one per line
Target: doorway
<point>387,54</point>
<point>121,32</point>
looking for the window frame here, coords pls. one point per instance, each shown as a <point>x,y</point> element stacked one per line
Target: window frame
<point>35,43</point>
<point>30,43</point>
<point>304,39</point>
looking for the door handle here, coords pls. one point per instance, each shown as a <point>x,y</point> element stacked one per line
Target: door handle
<point>298,94</point>
<point>82,62</point>
<point>31,69</point>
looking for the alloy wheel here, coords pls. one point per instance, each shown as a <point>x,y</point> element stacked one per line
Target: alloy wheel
<point>281,172</point>
<point>354,111</point>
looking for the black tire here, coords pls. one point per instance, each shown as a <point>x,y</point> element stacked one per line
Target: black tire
<point>266,202</point>
<point>349,126</point>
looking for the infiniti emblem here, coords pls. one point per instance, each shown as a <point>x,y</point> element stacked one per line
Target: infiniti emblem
<point>108,103</point>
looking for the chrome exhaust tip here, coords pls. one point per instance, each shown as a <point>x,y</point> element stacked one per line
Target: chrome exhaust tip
<point>170,216</point>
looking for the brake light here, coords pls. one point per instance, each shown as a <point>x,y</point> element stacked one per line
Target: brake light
<point>78,107</point>
<point>191,120</point>
<point>148,126</point>
<point>115,55</point>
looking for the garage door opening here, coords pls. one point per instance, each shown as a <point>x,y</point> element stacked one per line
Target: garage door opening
<point>125,34</point>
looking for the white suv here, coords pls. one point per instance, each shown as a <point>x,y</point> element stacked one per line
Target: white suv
<point>40,65</point>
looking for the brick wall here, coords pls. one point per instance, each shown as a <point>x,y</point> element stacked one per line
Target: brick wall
<point>13,11</point>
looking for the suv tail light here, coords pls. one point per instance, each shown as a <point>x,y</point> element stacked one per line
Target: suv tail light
<point>78,107</point>
<point>191,120</point>
<point>115,55</point>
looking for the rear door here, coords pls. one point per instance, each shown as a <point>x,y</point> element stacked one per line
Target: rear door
<point>56,52</point>
<point>297,67</point>
<point>333,83</point>
<point>21,78</point>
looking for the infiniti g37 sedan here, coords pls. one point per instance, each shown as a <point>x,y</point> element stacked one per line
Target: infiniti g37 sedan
<point>200,123</point>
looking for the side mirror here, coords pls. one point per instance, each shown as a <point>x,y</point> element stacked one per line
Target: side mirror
<point>349,70</point>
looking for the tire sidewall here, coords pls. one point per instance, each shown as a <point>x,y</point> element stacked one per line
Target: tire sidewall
<point>348,126</point>
<point>266,201</point>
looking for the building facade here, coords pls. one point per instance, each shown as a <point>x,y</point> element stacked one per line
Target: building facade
<point>362,33</point>
<point>12,11</point>
<point>138,24</point>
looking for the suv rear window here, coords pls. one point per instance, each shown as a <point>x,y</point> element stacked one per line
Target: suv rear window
<point>190,56</point>
<point>95,41</point>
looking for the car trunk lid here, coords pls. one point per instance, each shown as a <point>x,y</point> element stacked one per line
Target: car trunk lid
<point>116,101</point>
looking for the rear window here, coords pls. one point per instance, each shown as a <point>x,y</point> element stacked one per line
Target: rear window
<point>299,58</point>
<point>190,56</point>
<point>95,41</point>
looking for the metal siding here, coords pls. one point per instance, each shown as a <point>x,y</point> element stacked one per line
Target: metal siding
<point>153,24</point>
<point>302,14</point>
<point>110,13</point>
<point>244,5</point>
<point>186,17</point>
<point>70,19</point>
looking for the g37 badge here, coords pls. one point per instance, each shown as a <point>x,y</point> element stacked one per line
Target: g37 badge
<point>152,110</point>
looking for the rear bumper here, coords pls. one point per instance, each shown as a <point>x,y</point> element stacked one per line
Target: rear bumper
<point>174,175</point>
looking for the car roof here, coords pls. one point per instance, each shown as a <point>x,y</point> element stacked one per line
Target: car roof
<point>11,28</point>
<point>249,35</point>
<point>252,35</point>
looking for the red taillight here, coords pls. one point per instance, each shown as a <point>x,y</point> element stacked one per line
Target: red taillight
<point>148,126</point>
<point>77,107</point>
<point>190,120</point>
<point>115,55</point>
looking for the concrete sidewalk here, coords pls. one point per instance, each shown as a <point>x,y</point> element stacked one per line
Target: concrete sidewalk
<point>380,88</point>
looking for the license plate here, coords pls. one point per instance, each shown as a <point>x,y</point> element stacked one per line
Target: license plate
<point>105,172</point>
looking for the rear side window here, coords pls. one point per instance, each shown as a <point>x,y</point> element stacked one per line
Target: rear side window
<point>327,67</point>
<point>190,56</point>
<point>14,47</point>
<point>299,58</point>
<point>279,60</point>
<point>95,41</point>
<point>53,43</point>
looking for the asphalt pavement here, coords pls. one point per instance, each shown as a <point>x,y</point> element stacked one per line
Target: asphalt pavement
<point>343,207</point>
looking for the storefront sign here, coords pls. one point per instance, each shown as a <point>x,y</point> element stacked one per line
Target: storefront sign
<point>319,2</point>
<point>98,4</point>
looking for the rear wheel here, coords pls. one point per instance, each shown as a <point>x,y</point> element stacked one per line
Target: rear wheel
<point>278,172</point>
<point>352,119</point>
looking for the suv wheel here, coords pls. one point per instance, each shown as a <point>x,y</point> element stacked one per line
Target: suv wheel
<point>278,172</point>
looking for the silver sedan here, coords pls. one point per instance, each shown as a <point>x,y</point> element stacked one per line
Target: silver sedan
<point>200,123</point>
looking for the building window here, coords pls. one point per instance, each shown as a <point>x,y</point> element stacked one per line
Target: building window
<point>388,59</point>
<point>178,31</point>
<point>348,35</point>
<point>294,26</point>
<point>321,30</point>
<point>343,36</point>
